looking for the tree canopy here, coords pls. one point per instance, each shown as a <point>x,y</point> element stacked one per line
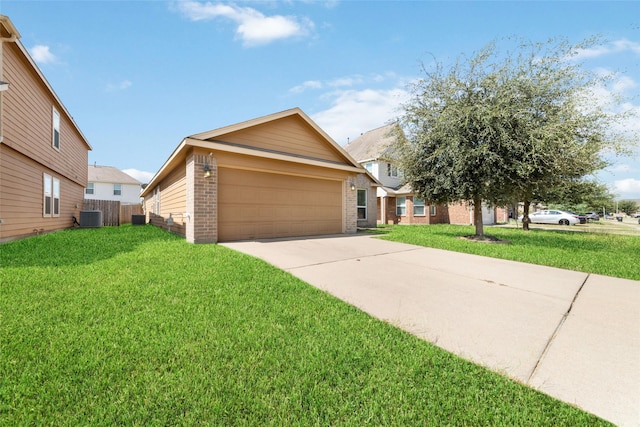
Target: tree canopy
<point>501,128</point>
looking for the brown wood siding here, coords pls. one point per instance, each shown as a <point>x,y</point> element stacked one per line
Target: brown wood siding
<point>257,205</point>
<point>289,135</point>
<point>173,195</point>
<point>27,120</point>
<point>21,197</point>
<point>233,160</point>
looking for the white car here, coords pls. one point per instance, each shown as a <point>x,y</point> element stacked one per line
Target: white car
<point>552,217</point>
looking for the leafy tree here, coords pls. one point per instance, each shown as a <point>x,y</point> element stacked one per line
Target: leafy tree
<point>628,206</point>
<point>501,128</point>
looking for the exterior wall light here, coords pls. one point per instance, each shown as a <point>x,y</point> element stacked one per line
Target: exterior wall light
<point>207,170</point>
<point>353,186</point>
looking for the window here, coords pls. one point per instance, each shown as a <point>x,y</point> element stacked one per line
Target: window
<point>47,195</point>
<point>369,167</point>
<point>362,204</point>
<point>89,189</point>
<point>55,142</point>
<point>401,206</point>
<point>418,206</point>
<point>433,210</point>
<point>156,209</point>
<point>51,196</point>
<point>117,189</point>
<point>392,170</point>
<point>56,197</point>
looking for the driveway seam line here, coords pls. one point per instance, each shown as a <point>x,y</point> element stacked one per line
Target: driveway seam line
<point>350,259</point>
<point>556,331</point>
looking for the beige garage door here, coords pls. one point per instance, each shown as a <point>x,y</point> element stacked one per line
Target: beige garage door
<point>258,205</point>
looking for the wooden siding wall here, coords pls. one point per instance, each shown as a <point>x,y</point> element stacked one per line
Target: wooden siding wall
<point>173,195</point>
<point>173,201</point>
<point>26,152</point>
<point>22,194</point>
<point>27,120</point>
<point>290,135</point>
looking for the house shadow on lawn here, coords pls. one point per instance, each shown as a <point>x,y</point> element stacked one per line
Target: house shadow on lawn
<point>79,246</point>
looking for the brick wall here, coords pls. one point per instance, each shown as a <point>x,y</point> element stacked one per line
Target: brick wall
<point>350,207</point>
<point>202,199</point>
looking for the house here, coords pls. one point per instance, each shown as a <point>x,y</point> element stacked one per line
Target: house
<point>43,153</point>
<point>396,203</point>
<point>109,183</point>
<point>274,176</point>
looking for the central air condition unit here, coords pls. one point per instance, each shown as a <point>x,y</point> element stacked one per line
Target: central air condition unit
<point>90,219</point>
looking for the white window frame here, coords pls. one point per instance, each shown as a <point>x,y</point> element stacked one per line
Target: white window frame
<point>432,210</point>
<point>369,167</point>
<point>360,207</point>
<point>55,211</point>
<point>55,129</point>
<point>90,188</point>
<point>50,196</point>
<point>418,203</point>
<point>47,199</point>
<point>392,170</point>
<point>156,202</point>
<point>401,208</point>
<point>117,189</point>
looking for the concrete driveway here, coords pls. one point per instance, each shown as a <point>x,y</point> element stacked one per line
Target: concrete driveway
<point>572,335</point>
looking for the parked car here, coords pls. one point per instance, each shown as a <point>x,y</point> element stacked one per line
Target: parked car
<point>552,217</point>
<point>592,216</point>
<point>582,218</point>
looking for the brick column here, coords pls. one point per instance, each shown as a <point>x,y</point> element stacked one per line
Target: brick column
<point>350,219</point>
<point>202,199</point>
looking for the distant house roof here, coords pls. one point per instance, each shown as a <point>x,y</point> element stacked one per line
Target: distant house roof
<point>109,174</point>
<point>375,144</point>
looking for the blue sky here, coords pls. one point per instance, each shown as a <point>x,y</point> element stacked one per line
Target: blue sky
<point>138,76</point>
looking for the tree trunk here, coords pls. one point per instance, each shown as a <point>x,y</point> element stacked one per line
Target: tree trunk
<point>477,217</point>
<point>525,216</point>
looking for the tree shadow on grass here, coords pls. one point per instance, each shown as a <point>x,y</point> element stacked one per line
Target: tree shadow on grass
<point>79,246</point>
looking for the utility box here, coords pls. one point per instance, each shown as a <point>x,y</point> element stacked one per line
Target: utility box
<point>138,219</point>
<point>90,219</point>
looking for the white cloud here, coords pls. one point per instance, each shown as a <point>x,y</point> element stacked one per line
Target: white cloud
<point>125,84</point>
<point>617,46</point>
<point>355,112</point>
<point>141,176</point>
<point>627,186</point>
<point>254,28</point>
<point>42,55</point>
<point>622,168</point>
<point>342,82</point>
<point>309,84</point>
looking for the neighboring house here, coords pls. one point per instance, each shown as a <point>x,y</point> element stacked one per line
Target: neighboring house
<point>274,176</point>
<point>109,183</point>
<point>43,154</point>
<point>396,203</point>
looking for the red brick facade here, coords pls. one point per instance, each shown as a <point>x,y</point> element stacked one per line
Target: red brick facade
<point>444,214</point>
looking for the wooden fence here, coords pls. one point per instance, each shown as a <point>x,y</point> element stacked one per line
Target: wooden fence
<point>114,213</point>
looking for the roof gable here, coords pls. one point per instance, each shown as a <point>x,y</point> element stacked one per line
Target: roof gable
<point>290,132</point>
<point>289,136</point>
<point>109,174</point>
<point>375,144</point>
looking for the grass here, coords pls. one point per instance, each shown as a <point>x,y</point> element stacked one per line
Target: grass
<point>605,254</point>
<point>134,326</point>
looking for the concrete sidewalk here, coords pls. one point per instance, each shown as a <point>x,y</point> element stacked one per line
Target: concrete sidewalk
<point>571,335</point>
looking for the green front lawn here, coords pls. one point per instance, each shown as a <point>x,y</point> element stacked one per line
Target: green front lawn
<point>606,254</point>
<point>133,326</point>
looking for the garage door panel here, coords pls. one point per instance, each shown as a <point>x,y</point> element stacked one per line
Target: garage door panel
<point>255,205</point>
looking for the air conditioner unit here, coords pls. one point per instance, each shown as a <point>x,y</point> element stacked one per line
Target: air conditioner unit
<point>90,218</point>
